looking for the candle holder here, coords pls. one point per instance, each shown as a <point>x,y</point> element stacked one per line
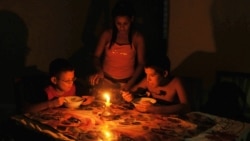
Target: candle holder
<point>107,112</point>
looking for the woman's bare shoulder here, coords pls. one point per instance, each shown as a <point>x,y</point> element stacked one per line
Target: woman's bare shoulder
<point>138,39</point>
<point>107,33</point>
<point>137,35</point>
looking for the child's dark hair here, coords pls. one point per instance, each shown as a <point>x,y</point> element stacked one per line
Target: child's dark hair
<point>59,65</point>
<point>122,8</point>
<point>159,64</point>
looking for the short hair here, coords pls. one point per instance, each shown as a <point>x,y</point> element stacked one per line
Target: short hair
<point>159,64</point>
<point>59,65</point>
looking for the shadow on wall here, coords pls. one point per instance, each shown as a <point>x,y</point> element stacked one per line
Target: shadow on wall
<point>231,35</point>
<point>82,58</point>
<point>13,46</point>
<point>13,52</point>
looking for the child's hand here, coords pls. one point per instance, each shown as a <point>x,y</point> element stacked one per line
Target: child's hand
<point>57,102</point>
<point>143,106</point>
<point>87,100</point>
<point>127,96</point>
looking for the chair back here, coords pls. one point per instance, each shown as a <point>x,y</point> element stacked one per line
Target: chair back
<point>230,96</point>
<point>29,88</point>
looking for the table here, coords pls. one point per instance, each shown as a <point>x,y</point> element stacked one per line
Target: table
<point>88,123</point>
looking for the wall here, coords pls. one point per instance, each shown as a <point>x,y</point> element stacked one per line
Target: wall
<point>207,36</point>
<point>51,26</point>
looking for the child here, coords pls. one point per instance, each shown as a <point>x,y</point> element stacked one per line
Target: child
<point>62,77</point>
<point>160,85</point>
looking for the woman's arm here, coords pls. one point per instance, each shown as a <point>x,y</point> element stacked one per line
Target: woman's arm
<point>140,49</point>
<point>104,39</point>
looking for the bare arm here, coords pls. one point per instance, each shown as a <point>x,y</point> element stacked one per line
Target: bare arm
<point>43,105</point>
<point>140,49</point>
<point>127,95</point>
<point>104,39</point>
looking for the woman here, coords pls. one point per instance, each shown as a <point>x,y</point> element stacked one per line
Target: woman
<point>123,50</point>
<point>159,84</point>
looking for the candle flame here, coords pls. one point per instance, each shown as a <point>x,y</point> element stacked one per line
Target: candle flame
<point>107,97</point>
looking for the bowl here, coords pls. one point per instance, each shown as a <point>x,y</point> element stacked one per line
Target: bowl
<point>73,101</point>
<point>143,100</point>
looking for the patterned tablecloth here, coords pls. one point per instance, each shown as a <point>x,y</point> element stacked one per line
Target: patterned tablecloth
<point>90,123</point>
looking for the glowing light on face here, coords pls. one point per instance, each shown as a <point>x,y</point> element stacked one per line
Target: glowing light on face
<point>65,80</point>
<point>153,77</point>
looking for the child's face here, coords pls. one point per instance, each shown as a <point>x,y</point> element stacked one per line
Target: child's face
<point>123,23</point>
<point>65,80</point>
<point>153,78</point>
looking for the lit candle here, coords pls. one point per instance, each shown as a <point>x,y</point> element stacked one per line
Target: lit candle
<point>107,97</point>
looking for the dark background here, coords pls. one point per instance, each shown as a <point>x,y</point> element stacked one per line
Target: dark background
<point>32,33</point>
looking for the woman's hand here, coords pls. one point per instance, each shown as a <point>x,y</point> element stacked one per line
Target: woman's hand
<point>94,79</point>
<point>127,96</point>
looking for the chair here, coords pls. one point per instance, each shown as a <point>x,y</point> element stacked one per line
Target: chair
<point>193,87</point>
<point>228,96</point>
<point>29,88</point>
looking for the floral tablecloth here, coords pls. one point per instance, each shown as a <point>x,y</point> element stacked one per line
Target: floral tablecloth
<point>89,123</point>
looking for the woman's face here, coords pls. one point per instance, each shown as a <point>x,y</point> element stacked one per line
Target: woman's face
<point>65,81</point>
<point>153,78</point>
<point>123,23</point>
